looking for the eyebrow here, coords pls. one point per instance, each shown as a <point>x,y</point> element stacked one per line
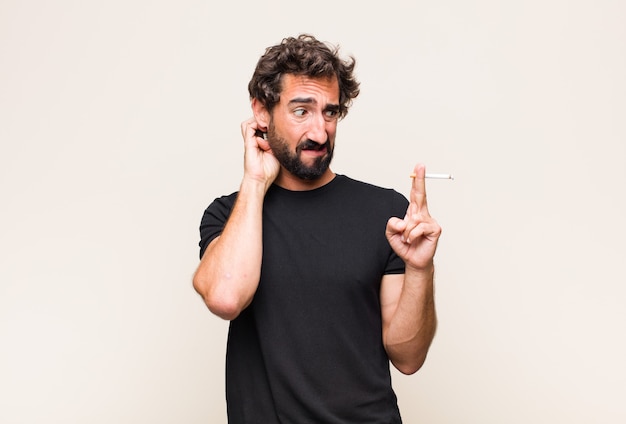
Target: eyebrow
<point>310,100</point>
<point>307,100</point>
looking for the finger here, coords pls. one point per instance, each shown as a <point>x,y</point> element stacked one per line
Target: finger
<point>249,131</point>
<point>247,126</point>
<point>428,229</point>
<point>395,226</point>
<point>418,203</point>
<point>395,233</point>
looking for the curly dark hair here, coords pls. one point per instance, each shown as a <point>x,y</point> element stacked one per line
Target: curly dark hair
<point>304,55</point>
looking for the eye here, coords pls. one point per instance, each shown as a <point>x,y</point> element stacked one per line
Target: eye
<point>331,114</point>
<point>299,112</point>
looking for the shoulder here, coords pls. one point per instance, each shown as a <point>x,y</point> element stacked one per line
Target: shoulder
<point>221,206</point>
<point>227,200</point>
<point>214,219</point>
<point>368,189</point>
<point>371,196</point>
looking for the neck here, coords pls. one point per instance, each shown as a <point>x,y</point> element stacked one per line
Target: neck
<point>289,181</point>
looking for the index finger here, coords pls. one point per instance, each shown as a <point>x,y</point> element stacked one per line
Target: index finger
<point>252,135</point>
<point>418,189</point>
<point>247,127</point>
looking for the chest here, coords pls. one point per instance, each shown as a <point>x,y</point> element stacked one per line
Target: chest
<point>334,251</point>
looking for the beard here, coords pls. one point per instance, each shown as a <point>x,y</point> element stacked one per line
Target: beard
<point>292,162</point>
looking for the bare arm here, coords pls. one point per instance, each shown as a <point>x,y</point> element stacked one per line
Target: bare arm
<point>409,319</point>
<point>407,301</point>
<point>228,274</point>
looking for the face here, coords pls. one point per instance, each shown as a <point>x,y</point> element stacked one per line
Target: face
<point>302,127</point>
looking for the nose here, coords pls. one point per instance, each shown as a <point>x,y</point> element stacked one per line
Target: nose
<point>317,130</point>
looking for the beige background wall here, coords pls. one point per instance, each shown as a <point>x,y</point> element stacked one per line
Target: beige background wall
<point>119,123</point>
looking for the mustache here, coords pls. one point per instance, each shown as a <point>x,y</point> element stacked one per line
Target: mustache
<point>312,145</point>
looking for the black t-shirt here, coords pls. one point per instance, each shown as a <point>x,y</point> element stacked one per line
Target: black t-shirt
<point>308,349</point>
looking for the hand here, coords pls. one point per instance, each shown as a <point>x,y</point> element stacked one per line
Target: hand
<point>415,237</point>
<point>259,162</point>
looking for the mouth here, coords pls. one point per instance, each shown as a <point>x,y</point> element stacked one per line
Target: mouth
<point>315,148</point>
<point>320,150</point>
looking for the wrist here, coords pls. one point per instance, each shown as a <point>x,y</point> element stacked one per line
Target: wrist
<point>254,186</point>
<point>427,271</point>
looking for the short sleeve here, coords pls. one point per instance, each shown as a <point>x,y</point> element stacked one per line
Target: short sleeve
<point>214,219</point>
<point>399,205</point>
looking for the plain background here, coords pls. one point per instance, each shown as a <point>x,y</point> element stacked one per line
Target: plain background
<point>119,123</point>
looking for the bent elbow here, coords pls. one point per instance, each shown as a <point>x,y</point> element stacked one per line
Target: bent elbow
<point>225,307</point>
<point>409,369</point>
<point>227,310</point>
<point>409,366</point>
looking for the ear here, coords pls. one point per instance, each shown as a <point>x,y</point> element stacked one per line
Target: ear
<point>261,115</point>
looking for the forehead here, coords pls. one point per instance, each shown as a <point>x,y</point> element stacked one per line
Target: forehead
<point>324,89</point>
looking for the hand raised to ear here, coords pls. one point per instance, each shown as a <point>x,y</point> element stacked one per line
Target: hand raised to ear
<point>259,162</point>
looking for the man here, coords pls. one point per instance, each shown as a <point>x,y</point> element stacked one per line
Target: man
<point>322,281</point>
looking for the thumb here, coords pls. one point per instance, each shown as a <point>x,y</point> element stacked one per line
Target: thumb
<point>395,225</point>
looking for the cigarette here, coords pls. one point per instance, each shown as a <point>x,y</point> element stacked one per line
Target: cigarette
<point>436,176</point>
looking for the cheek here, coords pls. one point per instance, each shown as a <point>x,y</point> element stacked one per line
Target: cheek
<point>331,130</point>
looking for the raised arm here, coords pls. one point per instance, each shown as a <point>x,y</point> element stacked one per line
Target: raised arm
<point>228,274</point>
<point>407,301</point>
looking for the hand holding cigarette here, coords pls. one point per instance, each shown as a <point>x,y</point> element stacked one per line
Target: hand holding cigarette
<point>414,238</point>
